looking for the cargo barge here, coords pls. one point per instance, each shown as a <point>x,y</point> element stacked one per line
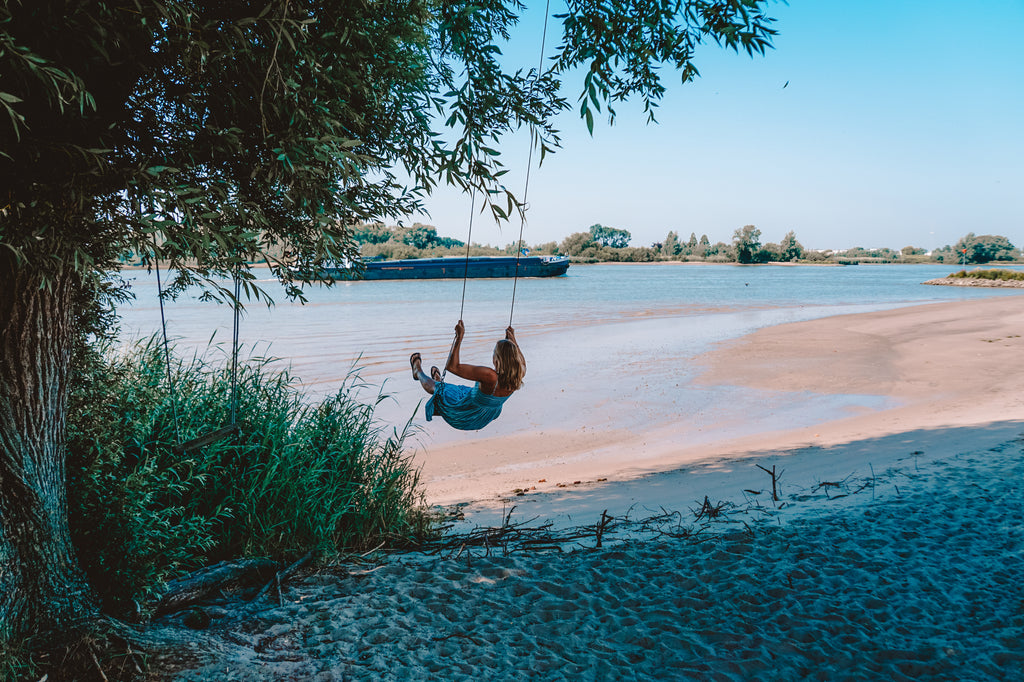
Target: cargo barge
<point>457,268</point>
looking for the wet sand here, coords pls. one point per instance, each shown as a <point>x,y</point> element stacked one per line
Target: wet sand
<point>926,369</point>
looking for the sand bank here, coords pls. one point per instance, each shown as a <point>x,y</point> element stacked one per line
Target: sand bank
<point>935,374</point>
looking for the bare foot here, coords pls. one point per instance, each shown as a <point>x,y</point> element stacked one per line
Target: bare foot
<point>417,365</point>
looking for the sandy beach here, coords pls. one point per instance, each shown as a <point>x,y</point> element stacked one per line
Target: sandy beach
<point>894,549</point>
<point>933,367</point>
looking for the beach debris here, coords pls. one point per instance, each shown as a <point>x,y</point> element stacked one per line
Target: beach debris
<point>601,525</point>
<point>776,480</point>
<point>709,510</point>
<point>283,575</point>
<point>225,576</point>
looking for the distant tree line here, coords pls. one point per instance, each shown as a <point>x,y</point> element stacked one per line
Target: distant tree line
<point>601,243</point>
<point>377,241</point>
<point>972,249</point>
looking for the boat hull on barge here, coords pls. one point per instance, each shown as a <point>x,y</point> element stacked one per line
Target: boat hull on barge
<point>457,268</point>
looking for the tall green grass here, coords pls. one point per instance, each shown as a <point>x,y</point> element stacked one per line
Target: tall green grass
<point>300,475</point>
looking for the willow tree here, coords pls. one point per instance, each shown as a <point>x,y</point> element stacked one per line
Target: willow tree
<point>213,134</point>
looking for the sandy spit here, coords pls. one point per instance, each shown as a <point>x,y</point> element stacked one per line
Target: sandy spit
<point>977,282</point>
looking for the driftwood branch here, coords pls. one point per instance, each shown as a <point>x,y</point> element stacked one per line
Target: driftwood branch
<point>776,477</point>
<point>602,524</point>
<point>198,586</point>
<point>283,575</point>
<point>522,536</point>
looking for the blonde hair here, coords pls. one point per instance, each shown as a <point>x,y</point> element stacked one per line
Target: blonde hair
<point>510,365</point>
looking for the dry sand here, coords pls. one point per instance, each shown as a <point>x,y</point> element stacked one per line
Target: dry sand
<point>895,550</point>
<point>923,584</point>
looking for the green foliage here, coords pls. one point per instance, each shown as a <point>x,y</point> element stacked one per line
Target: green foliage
<point>217,136</point>
<point>17,662</point>
<point>985,248</point>
<point>301,475</point>
<point>610,236</point>
<point>747,242</point>
<point>370,233</point>
<point>769,253</point>
<point>814,256</point>
<point>996,274</point>
<point>397,242</point>
<point>670,247</point>
<point>623,44</point>
<point>973,248</point>
<point>790,249</point>
<point>861,255</point>
<point>580,245</point>
<point>420,236</point>
<point>631,254</point>
<point>214,135</point>
<point>720,252</point>
<point>545,249</point>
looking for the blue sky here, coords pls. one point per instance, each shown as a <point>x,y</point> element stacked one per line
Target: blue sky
<point>901,125</point>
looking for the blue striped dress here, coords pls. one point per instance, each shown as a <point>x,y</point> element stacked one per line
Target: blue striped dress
<point>463,407</point>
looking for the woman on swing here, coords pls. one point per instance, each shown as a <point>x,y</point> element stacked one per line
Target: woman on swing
<point>469,408</point>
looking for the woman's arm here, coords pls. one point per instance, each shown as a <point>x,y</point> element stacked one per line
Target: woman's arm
<point>485,375</point>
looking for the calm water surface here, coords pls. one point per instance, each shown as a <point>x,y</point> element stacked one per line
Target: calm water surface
<point>594,322</point>
<point>370,319</point>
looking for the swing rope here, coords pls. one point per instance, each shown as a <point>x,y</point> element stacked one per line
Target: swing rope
<point>529,167</point>
<point>472,202</point>
<point>472,215</point>
<point>469,241</point>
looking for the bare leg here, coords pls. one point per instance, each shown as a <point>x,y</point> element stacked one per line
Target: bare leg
<point>417,373</point>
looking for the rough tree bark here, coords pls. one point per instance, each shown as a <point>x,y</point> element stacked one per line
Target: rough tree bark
<point>42,590</point>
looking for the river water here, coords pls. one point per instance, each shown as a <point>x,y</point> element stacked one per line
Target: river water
<point>598,339</point>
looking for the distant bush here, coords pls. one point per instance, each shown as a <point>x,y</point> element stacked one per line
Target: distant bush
<point>301,475</point>
<point>994,274</point>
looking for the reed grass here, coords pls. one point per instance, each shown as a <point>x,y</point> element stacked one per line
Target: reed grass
<point>994,274</point>
<point>300,474</point>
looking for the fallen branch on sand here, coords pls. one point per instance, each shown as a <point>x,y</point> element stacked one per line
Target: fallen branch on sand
<point>283,575</point>
<point>227,575</point>
<point>509,536</point>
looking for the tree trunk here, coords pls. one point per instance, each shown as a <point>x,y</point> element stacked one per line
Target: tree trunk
<point>42,591</point>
